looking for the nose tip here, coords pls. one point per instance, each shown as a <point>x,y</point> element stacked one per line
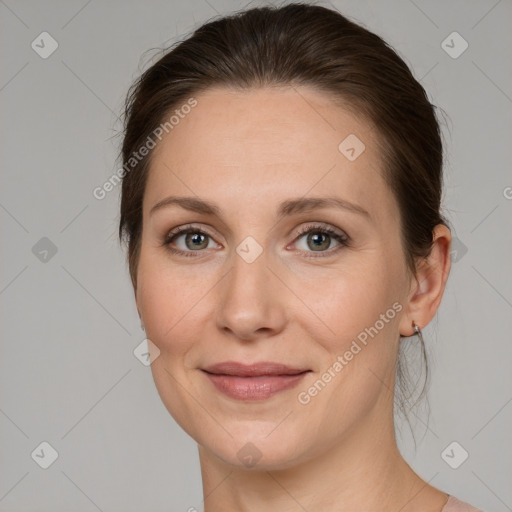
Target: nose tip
<point>250,303</point>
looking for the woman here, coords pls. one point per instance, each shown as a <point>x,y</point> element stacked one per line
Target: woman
<point>281,205</point>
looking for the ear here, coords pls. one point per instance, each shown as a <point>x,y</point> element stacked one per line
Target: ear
<point>427,287</point>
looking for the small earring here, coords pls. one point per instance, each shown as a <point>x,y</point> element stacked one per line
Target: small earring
<point>142,326</point>
<point>417,331</point>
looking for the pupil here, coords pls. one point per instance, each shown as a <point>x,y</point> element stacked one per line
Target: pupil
<point>197,239</point>
<point>319,240</point>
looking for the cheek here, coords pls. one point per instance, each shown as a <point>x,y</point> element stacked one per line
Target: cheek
<point>361,309</point>
<point>170,301</point>
<point>354,298</point>
<point>358,369</point>
<point>168,298</point>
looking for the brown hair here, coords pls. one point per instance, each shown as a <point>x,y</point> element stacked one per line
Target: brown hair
<point>298,44</point>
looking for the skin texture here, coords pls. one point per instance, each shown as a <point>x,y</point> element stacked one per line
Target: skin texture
<point>247,151</point>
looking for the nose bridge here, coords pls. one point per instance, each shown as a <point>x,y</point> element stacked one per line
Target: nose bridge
<point>250,303</point>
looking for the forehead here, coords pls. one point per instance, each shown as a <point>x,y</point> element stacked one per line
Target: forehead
<point>265,143</point>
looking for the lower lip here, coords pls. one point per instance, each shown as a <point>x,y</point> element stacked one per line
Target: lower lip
<point>254,388</point>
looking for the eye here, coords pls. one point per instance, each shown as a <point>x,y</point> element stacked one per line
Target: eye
<point>192,240</point>
<point>189,241</point>
<point>319,239</point>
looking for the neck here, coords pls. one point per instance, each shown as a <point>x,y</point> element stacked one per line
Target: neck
<point>364,472</point>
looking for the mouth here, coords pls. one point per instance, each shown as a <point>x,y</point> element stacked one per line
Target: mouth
<point>252,382</point>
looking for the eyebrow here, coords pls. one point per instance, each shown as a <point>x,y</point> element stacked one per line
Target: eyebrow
<point>286,208</point>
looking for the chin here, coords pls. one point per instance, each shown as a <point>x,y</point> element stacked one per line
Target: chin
<point>251,446</point>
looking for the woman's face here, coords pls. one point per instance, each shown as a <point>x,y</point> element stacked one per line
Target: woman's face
<point>257,280</point>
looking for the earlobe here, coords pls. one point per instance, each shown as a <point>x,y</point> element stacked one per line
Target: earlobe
<point>428,286</point>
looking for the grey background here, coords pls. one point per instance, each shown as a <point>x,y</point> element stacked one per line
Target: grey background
<point>69,326</point>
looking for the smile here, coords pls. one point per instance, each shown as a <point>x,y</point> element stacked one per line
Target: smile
<point>253,382</point>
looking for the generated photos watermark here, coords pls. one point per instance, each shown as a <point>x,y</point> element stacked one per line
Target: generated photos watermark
<point>305,397</point>
<point>101,192</point>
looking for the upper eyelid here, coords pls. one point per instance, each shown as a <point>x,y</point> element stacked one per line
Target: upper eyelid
<point>313,224</point>
<point>181,230</point>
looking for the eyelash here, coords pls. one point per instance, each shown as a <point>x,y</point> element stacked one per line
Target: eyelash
<point>342,239</point>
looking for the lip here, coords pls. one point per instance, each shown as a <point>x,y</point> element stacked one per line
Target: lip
<point>257,381</point>
<point>235,369</point>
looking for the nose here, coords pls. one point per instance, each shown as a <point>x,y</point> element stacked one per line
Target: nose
<point>252,300</point>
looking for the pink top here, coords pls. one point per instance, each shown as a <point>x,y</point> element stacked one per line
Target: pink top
<point>455,505</point>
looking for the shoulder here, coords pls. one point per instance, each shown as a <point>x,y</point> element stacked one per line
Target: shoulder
<point>455,505</point>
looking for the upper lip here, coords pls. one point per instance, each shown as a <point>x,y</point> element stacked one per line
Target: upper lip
<point>252,370</point>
